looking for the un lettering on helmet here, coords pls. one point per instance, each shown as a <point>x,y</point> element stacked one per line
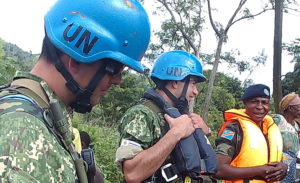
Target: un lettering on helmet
<point>176,65</point>
<point>99,29</point>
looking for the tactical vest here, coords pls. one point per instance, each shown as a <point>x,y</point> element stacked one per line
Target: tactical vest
<point>50,113</point>
<point>267,146</point>
<point>192,155</point>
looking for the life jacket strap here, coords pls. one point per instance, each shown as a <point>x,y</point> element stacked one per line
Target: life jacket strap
<point>169,172</point>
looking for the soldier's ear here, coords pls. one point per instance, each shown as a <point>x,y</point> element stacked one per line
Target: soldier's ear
<point>174,84</point>
<point>73,66</point>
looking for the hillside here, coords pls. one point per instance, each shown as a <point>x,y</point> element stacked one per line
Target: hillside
<point>13,58</point>
<point>24,59</point>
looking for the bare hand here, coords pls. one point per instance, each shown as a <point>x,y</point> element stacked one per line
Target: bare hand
<point>274,171</point>
<point>198,122</point>
<point>182,126</point>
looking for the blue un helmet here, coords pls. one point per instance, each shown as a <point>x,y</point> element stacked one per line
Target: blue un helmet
<point>177,65</point>
<point>116,32</point>
<point>89,31</point>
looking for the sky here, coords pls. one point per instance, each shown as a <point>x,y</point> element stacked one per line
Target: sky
<point>250,37</point>
<point>21,23</point>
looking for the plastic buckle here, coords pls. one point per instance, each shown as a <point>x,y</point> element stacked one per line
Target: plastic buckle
<point>163,173</point>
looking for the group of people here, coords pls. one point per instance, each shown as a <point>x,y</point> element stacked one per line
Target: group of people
<point>86,47</point>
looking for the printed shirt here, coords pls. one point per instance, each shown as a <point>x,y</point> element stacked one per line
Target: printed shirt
<point>288,133</point>
<point>28,151</point>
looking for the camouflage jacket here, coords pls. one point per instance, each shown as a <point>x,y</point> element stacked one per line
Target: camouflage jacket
<point>141,126</point>
<point>29,152</point>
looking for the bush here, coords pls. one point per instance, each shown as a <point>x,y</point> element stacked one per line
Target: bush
<point>106,142</point>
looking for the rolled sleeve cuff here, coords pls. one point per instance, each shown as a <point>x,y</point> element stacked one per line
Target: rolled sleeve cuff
<point>126,152</point>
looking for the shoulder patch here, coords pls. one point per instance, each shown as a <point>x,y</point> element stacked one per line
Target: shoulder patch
<point>126,142</point>
<point>228,134</point>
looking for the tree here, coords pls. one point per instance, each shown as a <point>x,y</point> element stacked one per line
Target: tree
<point>13,58</point>
<point>221,32</point>
<point>291,81</point>
<point>226,95</point>
<point>182,28</point>
<point>277,94</point>
<point>280,6</point>
<point>7,68</point>
<point>24,60</point>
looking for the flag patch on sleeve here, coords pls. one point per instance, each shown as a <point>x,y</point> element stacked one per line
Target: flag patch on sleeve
<point>228,134</point>
<point>126,142</point>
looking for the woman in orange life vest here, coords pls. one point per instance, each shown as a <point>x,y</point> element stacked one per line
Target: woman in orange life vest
<point>249,144</point>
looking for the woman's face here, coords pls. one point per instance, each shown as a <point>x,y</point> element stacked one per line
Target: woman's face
<point>295,110</point>
<point>257,108</point>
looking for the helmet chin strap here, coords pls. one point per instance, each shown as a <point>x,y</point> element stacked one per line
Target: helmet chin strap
<point>81,103</point>
<point>181,103</point>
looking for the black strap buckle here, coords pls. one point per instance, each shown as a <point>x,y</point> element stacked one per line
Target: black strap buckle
<point>169,172</point>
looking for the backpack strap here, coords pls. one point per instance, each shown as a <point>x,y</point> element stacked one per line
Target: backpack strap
<point>36,95</point>
<point>33,89</point>
<point>157,110</point>
<point>170,170</point>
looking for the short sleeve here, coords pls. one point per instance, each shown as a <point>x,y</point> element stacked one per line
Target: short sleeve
<point>140,124</point>
<point>139,129</point>
<point>229,141</point>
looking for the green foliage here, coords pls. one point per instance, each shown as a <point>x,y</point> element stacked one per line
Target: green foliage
<point>231,84</point>
<point>106,142</point>
<point>222,99</point>
<point>118,99</point>
<point>215,120</point>
<point>7,68</point>
<point>226,95</point>
<point>1,48</point>
<point>181,27</point>
<point>247,65</point>
<point>13,58</point>
<point>293,49</point>
<point>291,81</point>
<point>24,60</point>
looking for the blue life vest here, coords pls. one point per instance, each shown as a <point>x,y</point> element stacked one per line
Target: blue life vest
<point>191,152</point>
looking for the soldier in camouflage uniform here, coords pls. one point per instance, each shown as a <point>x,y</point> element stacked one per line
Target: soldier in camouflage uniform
<point>83,54</point>
<point>144,147</point>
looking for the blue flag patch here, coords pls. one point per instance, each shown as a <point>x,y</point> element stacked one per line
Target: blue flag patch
<point>228,134</point>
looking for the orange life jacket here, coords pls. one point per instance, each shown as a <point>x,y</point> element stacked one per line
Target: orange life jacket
<point>258,146</point>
